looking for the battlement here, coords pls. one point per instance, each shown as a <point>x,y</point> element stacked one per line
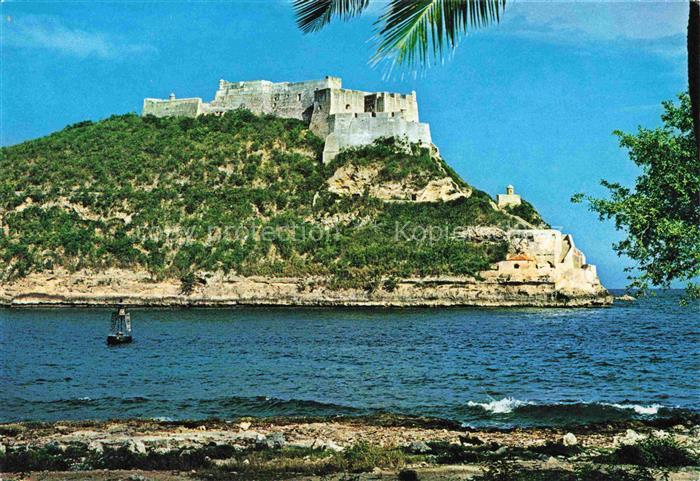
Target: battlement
<point>354,117</point>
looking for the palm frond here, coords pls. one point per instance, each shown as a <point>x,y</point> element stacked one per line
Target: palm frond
<point>414,31</point>
<point>312,15</point>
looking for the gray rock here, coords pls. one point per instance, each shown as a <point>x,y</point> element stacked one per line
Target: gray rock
<point>96,446</point>
<point>553,463</point>
<point>630,437</point>
<point>419,447</point>
<point>469,440</point>
<point>276,440</point>
<point>55,446</point>
<point>501,451</point>
<point>271,441</point>
<point>135,446</point>
<point>569,440</point>
<point>327,445</point>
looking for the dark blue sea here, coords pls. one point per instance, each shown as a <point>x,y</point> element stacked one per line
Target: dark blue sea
<point>482,367</point>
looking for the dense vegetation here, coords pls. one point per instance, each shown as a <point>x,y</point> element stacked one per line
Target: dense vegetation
<point>660,214</point>
<point>240,194</point>
<point>527,212</point>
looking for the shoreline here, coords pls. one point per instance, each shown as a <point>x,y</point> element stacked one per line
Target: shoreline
<point>138,289</point>
<point>318,447</point>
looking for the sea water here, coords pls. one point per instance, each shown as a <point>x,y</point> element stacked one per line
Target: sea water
<point>482,367</point>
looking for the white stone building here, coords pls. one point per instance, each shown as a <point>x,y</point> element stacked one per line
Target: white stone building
<point>343,117</point>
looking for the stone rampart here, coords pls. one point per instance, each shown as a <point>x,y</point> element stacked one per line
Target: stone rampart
<point>173,107</point>
<point>344,117</point>
<point>352,130</point>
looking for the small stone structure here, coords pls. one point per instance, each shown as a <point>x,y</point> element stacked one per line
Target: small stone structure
<point>344,118</point>
<point>546,253</point>
<point>510,198</point>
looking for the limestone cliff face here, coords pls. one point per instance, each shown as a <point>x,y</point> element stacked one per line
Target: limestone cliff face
<point>87,288</point>
<point>357,180</point>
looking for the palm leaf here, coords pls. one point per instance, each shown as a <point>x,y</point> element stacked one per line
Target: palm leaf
<point>312,15</point>
<point>414,31</point>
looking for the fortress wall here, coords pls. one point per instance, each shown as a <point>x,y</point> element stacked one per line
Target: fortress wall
<point>172,108</point>
<point>254,96</point>
<point>284,99</point>
<point>346,118</point>
<point>352,130</point>
<point>393,102</point>
<point>346,101</point>
<point>544,244</point>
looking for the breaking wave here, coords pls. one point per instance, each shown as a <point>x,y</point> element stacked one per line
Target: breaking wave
<point>502,406</point>
<point>510,411</point>
<point>642,410</point>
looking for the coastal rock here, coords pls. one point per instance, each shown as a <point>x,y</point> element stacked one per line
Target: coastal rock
<point>87,288</point>
<point>553,463</point>
<point>469,440</point>
<point>419,447</point>
<point>501,451</point>
<point>271,441</point>
<point>569,440</point>
<point>323,444</point>
<point>625,298</point>
<point>96,446</point>
<point>55,447</point>
<point>135,446</point>
<point>245,425</point>
<point>630,437</point>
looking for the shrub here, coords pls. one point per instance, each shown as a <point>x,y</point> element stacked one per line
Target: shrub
<point>655,453</point>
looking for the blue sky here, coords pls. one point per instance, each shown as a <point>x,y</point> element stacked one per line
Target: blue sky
<point>531,101</point>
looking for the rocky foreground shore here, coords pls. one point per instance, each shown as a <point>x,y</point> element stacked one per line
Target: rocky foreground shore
<point>367,448</point>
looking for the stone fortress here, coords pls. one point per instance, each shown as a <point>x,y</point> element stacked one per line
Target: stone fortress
<point>348,118</point>
<point>343,117</point>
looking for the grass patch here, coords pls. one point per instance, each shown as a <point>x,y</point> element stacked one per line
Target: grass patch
<point>265,463</point>
<point>505,470</point>
<point>361,457</point>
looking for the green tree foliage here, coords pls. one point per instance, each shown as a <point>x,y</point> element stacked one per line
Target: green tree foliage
<point>526,211</point>
<point>240,193</point>
<point>661,213</point>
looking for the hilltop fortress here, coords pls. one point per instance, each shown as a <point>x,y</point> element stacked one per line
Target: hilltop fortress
<point>343,117</point>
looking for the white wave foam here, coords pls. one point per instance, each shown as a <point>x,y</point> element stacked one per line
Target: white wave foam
<point>162,419</point>
<point>501,406</point>
<point>644,410</point>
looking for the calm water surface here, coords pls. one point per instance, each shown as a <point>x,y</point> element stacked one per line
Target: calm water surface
<point>479,366</point>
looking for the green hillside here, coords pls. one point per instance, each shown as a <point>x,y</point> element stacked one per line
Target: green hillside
<point>240,194</point>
